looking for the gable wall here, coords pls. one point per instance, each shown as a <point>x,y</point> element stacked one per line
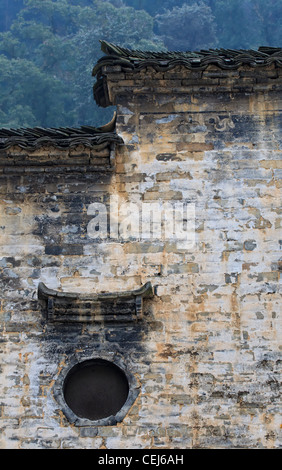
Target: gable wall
<point>206,355</point>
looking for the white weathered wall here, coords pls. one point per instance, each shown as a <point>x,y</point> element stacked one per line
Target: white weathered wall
<point>207,355</point>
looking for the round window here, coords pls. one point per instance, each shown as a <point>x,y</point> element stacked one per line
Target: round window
<point>95,389</point>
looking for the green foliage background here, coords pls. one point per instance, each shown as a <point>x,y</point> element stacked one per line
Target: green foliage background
<point>49,47</point>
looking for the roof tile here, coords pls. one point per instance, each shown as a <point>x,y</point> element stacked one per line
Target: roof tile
<point>164,60</point>
<point>62,137</point>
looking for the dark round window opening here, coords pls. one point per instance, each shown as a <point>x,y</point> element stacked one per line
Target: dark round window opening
<point>95,389</point>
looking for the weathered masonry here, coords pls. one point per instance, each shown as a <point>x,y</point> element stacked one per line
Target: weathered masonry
<point>176,338</point>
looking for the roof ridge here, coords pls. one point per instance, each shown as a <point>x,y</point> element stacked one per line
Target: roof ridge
<point>223,58</point>
<point>27,137</point>
<point>112,49</point>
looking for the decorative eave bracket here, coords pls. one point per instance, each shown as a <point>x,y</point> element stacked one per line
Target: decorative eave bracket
<point>115,307</point>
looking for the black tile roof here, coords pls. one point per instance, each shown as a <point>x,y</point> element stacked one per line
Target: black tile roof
<point>164,60</point>
<point>62,137</point>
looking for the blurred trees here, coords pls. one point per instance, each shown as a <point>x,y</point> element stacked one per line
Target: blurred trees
<point>239,27</point>
<point>238,23</point>
<point>8,12</point>
<point>49,47</point>
<point>30,97</point>
<point>47,55</point>
<point>188,25</point>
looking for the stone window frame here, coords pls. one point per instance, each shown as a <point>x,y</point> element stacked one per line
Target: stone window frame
<point>58,392</point>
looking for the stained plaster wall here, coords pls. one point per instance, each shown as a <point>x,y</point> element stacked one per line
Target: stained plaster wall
<point>207,354</point>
